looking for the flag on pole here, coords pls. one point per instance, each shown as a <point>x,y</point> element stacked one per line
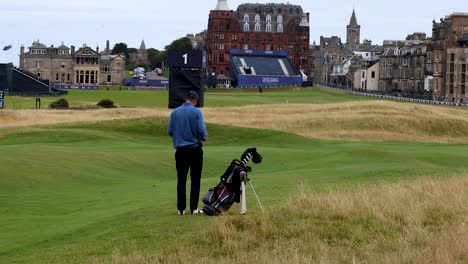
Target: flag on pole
<point>7,47</point>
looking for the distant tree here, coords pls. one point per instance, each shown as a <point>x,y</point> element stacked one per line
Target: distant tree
<point>132,50</point>
<point>180,44</point>
<point>120,48</point>
<point>154,58</point>
<point>367,42</point>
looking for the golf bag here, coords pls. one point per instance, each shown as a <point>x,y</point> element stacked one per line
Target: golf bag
<point>220,198</point>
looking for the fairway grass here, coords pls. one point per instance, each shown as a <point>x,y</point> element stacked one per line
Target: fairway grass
<point>159,98</point>
<point>75,193</point>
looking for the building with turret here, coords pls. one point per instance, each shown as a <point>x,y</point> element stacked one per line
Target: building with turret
<point>268,27</point>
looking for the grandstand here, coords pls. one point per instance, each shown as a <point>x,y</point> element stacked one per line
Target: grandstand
<point>257,68</point>
<point>14,81</point>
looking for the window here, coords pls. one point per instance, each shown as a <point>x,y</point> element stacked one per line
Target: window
<point>268,38</point>
<point>63,65</point>
<point>268,27</point>
<point>234,37</point>
<point>221,36</point>
<point>246,18</point>
<point>57,77</point>
<point>246,46</point>
<point>246,27</point>
<point>257,27</point>
<point>68,77</point>
<point>373,74</point>
<point>279,19</point>
<point>437,56</point>
<point>221,46</point>
<point>280,28</point>
<point>109,78</point>
<point>39,75</point>
<point>268,47</point>
<point>363,74</point>
<point>257,18</point>
<point>332,58</point>
<point>38,64</point>
<point>268,19</point>
<point>257,37</point>
<point>246,37</point>
<point>452,57</point>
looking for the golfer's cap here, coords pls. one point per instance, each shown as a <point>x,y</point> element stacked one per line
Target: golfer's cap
<point>193,95</point>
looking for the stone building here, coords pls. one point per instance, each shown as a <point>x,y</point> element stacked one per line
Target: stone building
<point>67,66</point>
<point>353,31</point>
<point>257,27</point>
<point>335,63</point>
<point>407,66</point>
<point>450,40</point>
<point>140,57</point>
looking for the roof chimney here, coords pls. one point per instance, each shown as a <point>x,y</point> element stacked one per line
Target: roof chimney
<point>222,5</point>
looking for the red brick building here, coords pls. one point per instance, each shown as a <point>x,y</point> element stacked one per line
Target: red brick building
<point>257,27</point>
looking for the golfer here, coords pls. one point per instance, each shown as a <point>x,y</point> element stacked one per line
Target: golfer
<point>188,131</point>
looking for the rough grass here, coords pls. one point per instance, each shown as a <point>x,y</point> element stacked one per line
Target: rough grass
<point>425,221</point>
<point>355,121</point>
<point>350,121</point>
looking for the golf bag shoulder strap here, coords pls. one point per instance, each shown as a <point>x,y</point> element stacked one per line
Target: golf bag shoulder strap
<point>232,172</point>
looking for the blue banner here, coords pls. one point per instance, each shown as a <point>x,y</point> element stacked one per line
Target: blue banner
<point>147,83</point>
<point>75,87</point>
<point>268,81</point>
<point>263,53</point>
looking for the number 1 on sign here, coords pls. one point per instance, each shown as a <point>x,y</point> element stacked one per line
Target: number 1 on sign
<point>185,58</point>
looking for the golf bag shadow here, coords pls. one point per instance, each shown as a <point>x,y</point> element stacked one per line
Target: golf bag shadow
<point>220,198</point>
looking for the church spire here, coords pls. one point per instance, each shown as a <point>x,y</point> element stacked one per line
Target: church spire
<point>353,34</point>
<point>143,46</point>
<point>353,20</point>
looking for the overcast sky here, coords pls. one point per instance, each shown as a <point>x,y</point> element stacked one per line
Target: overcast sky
<point>159,22</point>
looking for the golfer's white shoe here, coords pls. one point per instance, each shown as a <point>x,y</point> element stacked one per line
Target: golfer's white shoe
<point>197,211</point>
<point>181,212</point>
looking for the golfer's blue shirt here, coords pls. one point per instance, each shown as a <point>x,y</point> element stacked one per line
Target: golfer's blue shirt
<point>186,127</point>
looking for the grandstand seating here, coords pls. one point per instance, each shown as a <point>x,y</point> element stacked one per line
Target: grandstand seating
<point>255,68</point>
<point>19,82</point>
<point>268,66</point>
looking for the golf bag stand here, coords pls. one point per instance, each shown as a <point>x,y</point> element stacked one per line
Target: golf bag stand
<point>232,185</point>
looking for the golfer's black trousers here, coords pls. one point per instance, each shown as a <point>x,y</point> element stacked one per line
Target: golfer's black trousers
<point>188,158</point>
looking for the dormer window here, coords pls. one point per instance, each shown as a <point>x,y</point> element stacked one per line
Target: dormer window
<point>246,18</point>
<point>268,19</point>
<point>246,27</point>
<point>268,27</point>
<point>280,28</point>
<point>257,27</point>
<point>279,19</point>
<point>257,18</point>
